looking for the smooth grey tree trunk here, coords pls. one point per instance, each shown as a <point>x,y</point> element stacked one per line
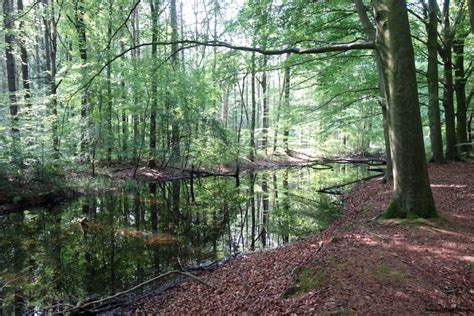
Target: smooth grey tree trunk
<point>253,111</point>
<point>448,92</point>
<point>82,43</point>
<point>24,58</point>
<point>370,32</point>
<point>109,89</point>
<point>433,89</point>
<point>175,132</point>
<point>286,109</point>
<point>460,90</point>
<point>412,195</point>
<point>154,86</point>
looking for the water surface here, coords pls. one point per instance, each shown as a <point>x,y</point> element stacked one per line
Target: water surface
<point>111,241</point>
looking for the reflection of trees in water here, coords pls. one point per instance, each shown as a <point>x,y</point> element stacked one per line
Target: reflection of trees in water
<point>104,243</point>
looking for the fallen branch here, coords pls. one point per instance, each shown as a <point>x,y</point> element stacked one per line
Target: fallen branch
<point>92,303</point>
<point>329,189</point>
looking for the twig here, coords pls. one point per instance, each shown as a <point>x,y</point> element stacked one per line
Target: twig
<point>84,306</point>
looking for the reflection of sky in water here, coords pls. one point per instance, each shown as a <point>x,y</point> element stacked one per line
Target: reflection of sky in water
<point>104,243</point>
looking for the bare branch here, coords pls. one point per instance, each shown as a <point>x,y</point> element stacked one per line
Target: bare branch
<point>192,43</point>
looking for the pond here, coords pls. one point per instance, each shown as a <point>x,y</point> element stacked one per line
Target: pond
<point>103,243</point>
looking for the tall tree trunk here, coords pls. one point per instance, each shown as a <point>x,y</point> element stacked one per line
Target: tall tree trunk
<point>82,43</point>
<point>286,110</point>
<point>11,78</point>
<point>263,232</point>
<point>24,58</point>
<point>448,93</point>
<point>265,109</point>
<point>51,44</point>
<point>175,133</point>
<point>253,111</point>
<point>460,89</point>
<point>136,112</point>
<point>370,32</point>
<point>109,138</point>
<point>154,86</point>
<point>124,114</point>
<point>412,195</point>
<point>432,78</point>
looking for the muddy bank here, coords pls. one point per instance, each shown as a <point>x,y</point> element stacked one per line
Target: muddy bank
<point>358,265</point>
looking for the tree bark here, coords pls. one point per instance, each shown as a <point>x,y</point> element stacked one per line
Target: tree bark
<point>175,133</point>
<point>154,87</point>
<point>265,109</point>
<point>24,58</point>
<point>448,92</point>
<point>412,195</point>
<point>109,137</point>
<point>253,111</point>
<point>286,110</point>
<point>11,78</point>
<point>460,90</point>
<point>82,43</point>
<point>370,32</point>
<point>51,44</point>
<point>433,90</point>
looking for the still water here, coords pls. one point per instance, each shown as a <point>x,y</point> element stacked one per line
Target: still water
<point>111,241</point>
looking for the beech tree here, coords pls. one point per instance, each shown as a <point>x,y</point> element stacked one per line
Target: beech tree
<point>412,195</point>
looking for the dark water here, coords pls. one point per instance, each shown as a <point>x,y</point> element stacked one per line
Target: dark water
<point>111,241</point>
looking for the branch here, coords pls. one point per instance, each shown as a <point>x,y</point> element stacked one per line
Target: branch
<point>89,304</point>
<point>123,23</point>
<point>419,17</point>
<point>300,51</point>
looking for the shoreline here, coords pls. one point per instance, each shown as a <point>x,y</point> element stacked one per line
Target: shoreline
<point>50,195</point>
<point>357,265</point>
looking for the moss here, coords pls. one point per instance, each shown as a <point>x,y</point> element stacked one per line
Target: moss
<point>392,211</point>
<point>418,221</point>
<point>395,211</point>
<point>367,208</point>
<point>470,265</point>
<point>307,279</point>
<point>385,272</point>
<point>342,312</point>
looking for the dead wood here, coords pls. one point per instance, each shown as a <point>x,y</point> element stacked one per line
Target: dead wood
<point>330,189</point>
<point>89,305</point>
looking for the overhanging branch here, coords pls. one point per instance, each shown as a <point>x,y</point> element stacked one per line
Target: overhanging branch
<point>291,50</point>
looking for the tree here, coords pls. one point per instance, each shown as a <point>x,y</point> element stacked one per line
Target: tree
<point>460,91</point>
<point>154,86</point>
<point>412,195</point>
<point>11,78</point>
<point>445,51</point>
<point>432,77</point>
<point>80,25</point>
<point>371,35</point>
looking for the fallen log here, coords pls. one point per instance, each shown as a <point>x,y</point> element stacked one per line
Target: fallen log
<point>89,305</point>
<point>329,190</point>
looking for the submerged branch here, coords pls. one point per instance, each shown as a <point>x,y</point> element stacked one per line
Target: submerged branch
<point>89,305</point>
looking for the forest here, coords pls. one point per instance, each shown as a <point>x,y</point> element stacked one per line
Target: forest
<point>217,156</point>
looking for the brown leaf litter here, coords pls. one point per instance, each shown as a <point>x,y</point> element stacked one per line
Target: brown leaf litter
<point>357,266</point>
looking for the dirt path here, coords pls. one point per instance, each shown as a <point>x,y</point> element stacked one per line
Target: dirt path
<point>357,266</point>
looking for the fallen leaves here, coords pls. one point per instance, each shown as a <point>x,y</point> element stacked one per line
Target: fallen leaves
<point>370,267</point>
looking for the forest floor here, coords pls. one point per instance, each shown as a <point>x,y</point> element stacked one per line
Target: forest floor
<point>359,265</point>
